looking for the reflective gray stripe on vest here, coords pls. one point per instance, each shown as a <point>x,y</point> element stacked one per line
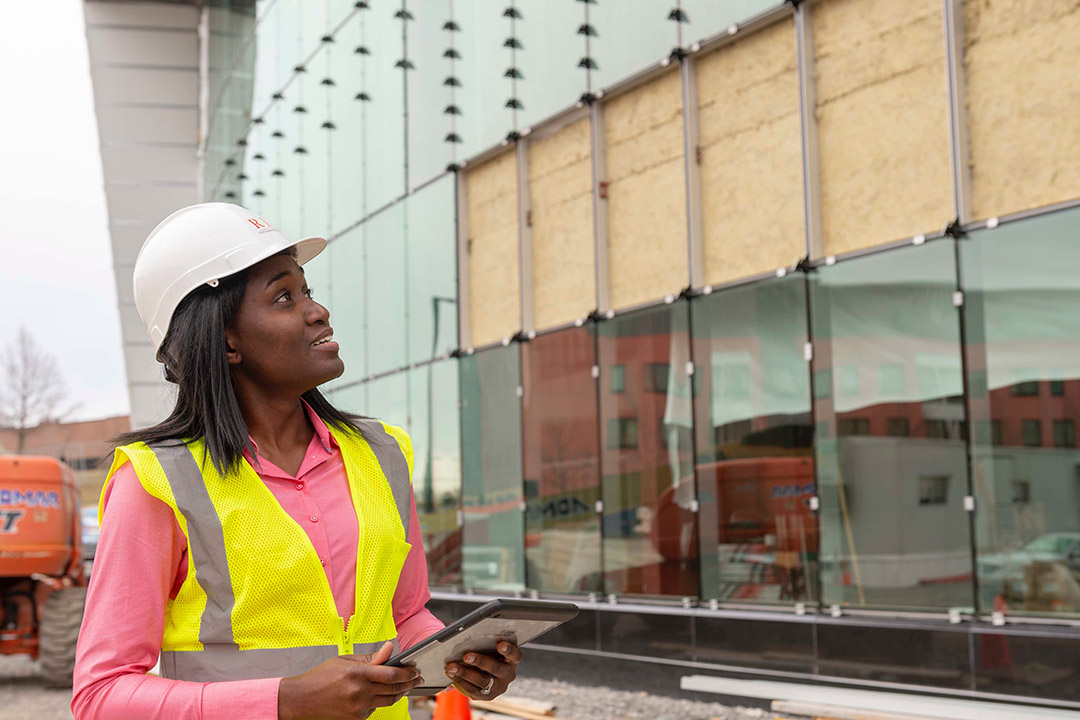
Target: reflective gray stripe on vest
<point>393,464</point>
<point>227,662</point>
<point>206,542</point>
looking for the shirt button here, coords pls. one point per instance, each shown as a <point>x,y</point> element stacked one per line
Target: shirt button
<point>322,562</point>
<point>314,518</point>
<point>299,486</point>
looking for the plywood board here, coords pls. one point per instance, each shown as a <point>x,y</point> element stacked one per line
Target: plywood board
<point>646,174</point>
<point>1023,100</point>
<point>494,267</point>
<point>560,187</point>
<point>883,120</point>
<point>751,155</point>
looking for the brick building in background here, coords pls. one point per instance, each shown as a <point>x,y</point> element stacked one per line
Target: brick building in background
<point>750,326</point>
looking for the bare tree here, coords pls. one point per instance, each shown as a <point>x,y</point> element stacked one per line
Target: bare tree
<point>31,387</point>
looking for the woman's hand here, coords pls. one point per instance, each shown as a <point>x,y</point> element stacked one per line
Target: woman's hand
<point>350,686</point>
<point>482,677</point>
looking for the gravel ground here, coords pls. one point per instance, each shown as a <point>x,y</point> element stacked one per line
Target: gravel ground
<point>23,695</point>
<point>581,702</point>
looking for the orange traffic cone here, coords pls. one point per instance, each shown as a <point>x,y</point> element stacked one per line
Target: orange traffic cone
<point>451,705</point>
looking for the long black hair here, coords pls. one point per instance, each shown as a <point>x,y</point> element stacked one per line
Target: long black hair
<point>193,353</point>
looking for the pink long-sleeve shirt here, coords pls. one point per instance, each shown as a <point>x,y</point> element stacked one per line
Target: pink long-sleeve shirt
<point>141,561</point>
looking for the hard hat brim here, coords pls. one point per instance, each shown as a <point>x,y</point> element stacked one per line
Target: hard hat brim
<point>308,248</point>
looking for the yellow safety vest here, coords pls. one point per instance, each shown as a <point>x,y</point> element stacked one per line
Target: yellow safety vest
<point>256,601</point>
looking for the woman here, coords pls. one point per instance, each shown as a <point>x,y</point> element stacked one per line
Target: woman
<point>262,543</point>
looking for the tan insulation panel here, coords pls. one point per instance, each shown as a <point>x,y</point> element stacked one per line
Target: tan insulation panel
<point>560,187</point>
<point>643,135</point>
<point>494,272</point>
<point>1022,66</point>
<point>751,155</point>
<point>883,120</point>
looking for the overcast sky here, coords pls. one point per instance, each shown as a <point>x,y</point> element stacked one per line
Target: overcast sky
<point>55,256</point>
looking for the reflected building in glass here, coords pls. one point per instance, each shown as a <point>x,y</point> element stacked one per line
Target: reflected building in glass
<point>701,314</point>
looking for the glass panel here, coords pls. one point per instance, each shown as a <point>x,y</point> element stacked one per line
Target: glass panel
<point>734,641</point>
<point>705,18</point>
<point>431,276</point>
<point>887,345</point>
<point>349,69</point>
<point>646,457</point>
<point>429,124</point>
<point>562,463</point>
<point>551,47</point>
<point>652,635</point>
<point>902,654</point>
<point>315,140</point>
<point>1023,327</point>
<point>436,439</point>
<point>388,400</point>
<point>755,470</point>
<point>483,93</point>
<point>352,399</point>
<point>384,129</point>
<point>494,526</point>
<point>348,302</point>
<point>627,42</point>
<point>286,136</point>
<point>385,290</point>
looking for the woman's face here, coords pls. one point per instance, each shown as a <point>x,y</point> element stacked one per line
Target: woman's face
<point>280,337</point>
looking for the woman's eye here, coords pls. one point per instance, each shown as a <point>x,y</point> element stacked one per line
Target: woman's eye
<point>284,296</point>
<point>310,292</point>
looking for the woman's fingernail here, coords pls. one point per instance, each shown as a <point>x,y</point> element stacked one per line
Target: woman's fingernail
<point>453,671</point>
<point>470,658</point>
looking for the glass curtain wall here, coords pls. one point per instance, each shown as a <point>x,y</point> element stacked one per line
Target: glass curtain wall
<point>890,436</point>
<point>561,461</point>
<point>647,473</point>
<point>493,524</point>
<point>1023,335</point>
<point>755,467</point>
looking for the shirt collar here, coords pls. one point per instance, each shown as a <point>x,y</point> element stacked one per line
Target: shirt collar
<point>321,431</point>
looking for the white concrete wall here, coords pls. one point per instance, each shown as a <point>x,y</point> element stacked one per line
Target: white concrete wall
<point>144,62</point>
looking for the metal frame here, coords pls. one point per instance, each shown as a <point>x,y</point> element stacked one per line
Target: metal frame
<point>600,208</point>
<point>695,239</point>
<point>524,222</point>
<point>804,42</point>
<point>953,22</point>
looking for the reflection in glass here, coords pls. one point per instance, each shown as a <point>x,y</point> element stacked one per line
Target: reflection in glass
<point>887,345</point>
<point>1023,335</point>
<point>493,531</point>
<point>647,473</point>
<point>431,278</point>
<point>562,463</point>
<point>436,438</point>
<point>755,472</point>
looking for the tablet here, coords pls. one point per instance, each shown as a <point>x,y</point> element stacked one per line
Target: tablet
<point>519,621</point>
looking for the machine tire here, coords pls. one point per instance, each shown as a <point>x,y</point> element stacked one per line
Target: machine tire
<point>59,632</point>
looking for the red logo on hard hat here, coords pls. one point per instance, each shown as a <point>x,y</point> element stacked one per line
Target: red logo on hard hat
<point>259,223</point>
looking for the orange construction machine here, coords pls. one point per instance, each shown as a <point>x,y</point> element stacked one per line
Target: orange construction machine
<point>42,583</point>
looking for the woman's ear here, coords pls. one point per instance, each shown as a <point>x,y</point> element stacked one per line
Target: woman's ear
<point>232,347</point>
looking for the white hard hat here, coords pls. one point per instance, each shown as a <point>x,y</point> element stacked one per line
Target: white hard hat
<point>202,244</point>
